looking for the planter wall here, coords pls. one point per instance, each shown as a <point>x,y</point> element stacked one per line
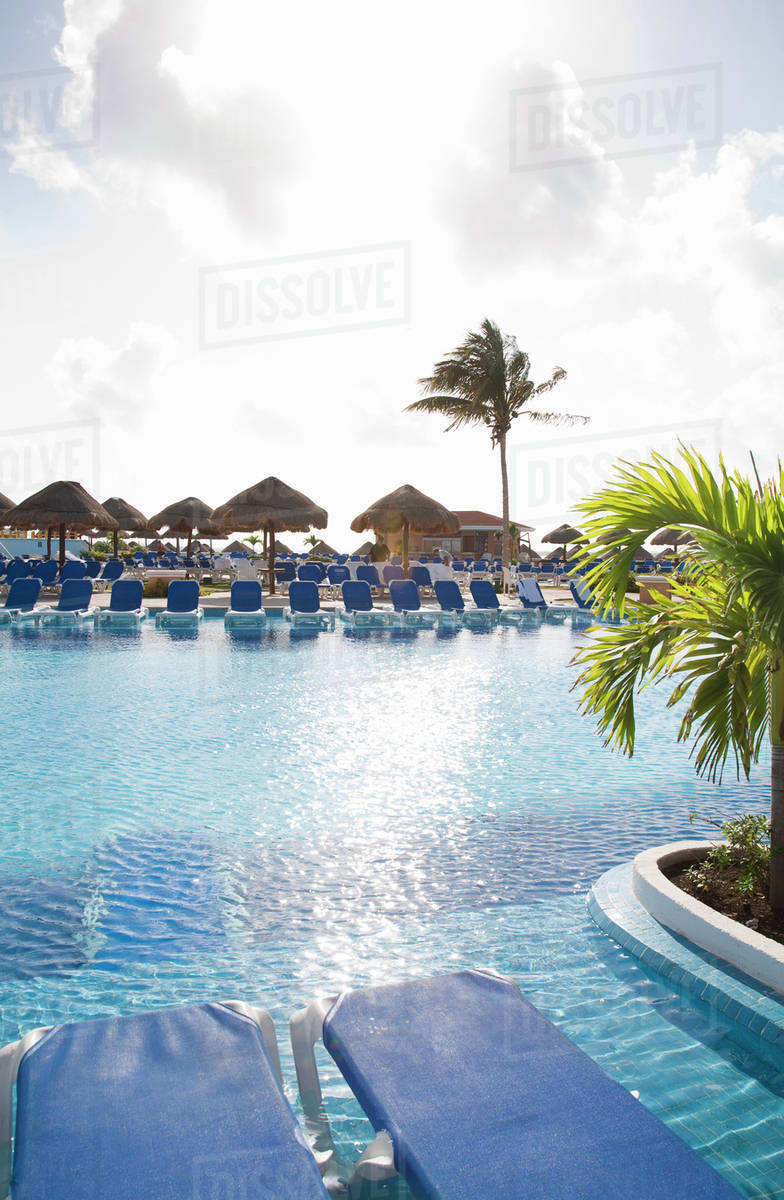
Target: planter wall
<point>744,948</point>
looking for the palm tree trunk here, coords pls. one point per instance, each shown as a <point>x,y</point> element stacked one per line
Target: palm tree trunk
<point>271,559</point>
<point>777,783</point>
<point>504,503</point>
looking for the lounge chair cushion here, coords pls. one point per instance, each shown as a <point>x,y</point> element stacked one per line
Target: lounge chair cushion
<point>182,596</point>
<point>404,594</point>
<point>484,594</point>
<point>126,595</point>
<point>304,596</point>
<point>168,1104</point>
<point>483,1097</point>
<point>246,596</point>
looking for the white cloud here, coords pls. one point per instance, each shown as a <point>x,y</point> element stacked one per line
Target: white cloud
<point>170,129</point>
<point>656,282</point>
<point>117,385</point>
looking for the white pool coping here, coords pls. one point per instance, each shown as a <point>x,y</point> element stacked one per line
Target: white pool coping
<point>749,951</point>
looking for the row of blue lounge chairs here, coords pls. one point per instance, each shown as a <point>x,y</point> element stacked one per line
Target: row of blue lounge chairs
<point>472,1093</point>
<point>74,604</point>
<point>246,609</point>
<point>52,576</point>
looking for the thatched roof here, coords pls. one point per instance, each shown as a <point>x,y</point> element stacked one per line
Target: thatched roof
<point>365,548</point>
<point>5,506</point>
<point>563,535</point>
<point>237,548</point>
<point>407,505</point>
<point>62,503</point>
<point>184,516</point>
<point>322,548</point>
<point>671,537</point>
<point>623,535</point>
<point>128,518</point>
<point>210,528</point>
<point>271,502</point>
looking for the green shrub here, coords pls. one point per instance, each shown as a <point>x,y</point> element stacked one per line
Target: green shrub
<point>746,849</point>
<point>156,589</point>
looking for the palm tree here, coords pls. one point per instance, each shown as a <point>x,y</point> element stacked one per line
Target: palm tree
<point>485,381</point>
<point>719,639</point>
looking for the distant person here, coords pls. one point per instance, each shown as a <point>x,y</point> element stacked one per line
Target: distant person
<point>380,551</point>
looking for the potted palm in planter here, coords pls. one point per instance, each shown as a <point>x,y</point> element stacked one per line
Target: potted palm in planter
<point>718,641</point>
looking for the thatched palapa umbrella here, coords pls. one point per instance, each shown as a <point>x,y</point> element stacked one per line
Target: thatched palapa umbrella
<point>5,507</point>
<point>406,509</point>
<point>271,505</point>
<point>185,517</point>
<point>128,519</point>
<point>63,504</point>
<point>563,536</point>
<point>323,548</point>
<point>672,537</point>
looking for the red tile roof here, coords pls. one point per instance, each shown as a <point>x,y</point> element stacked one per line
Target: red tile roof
<point>472,518</point>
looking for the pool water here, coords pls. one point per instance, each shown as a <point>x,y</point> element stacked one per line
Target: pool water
<point>191,816</point>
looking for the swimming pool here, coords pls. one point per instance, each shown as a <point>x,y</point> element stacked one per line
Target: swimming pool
<point>190,816</point>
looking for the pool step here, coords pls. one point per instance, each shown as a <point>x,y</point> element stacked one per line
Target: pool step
<point>755,1011</point>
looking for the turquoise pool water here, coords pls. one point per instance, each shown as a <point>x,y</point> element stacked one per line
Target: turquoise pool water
<point>189,817</point>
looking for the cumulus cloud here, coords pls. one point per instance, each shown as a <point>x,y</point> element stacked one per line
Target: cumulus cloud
<point>117,385</point>
<point>52,168</point>
<point>169,125</point>
<point>502,207</point>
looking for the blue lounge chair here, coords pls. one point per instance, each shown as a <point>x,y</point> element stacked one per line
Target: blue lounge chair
<point>92,568</point>
<point>305,609</point>
<point>530,594</point>
<point>18,568</point>
<point>369,575</point>
<point>404,594</point>
<point>182,609</point>
<point>453,609</point>
<point>486,601</point>
<point>181,1102</point>
<point>450,601</point>
<point>125,606</point>
<point>46,571</point>
<point>311,572</point>
<point>390,573</point>
<point>421,577</point>
<point>285,573</point>
<point>358,607</point>
<point>20,601</point>
<point>72,569</point>
<point>245,611</point>
<point>583,595</point>
<point>337,575</point>
<point>474,1095</point>
<point>112,570</point>
<point>73,607</point>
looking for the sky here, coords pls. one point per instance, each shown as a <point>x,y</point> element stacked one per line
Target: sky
<point>234,235</point>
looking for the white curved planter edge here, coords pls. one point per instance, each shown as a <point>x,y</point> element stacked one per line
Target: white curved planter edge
<point>749,951</point>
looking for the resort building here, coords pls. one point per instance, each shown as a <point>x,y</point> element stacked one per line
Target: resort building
<point>479,533</point>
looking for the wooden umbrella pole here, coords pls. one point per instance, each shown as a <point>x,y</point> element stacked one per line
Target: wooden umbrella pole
<point>405,545</point>
<point>61,548</point>
<point>271,544</point>
<point>116,540</point>
<point>48,541</point>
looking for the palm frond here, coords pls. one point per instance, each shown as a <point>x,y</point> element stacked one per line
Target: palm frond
<point>555,418</point>
<point>707,647</point>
